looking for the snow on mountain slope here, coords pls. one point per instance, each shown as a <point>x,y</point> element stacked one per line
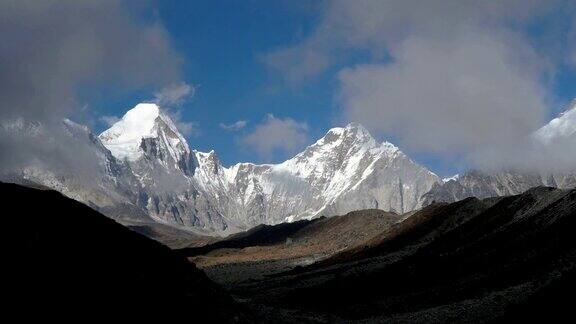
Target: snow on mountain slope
<point>338,160</point>
<point>146,120</point>
<point>168,172</point>
<point>333,176</point>
<point>345,170</point>
<point>348,169</point>
<point>560,128</point>
<point>454,177</point>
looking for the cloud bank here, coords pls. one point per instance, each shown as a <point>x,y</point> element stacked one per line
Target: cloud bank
<point>51,49</point>
<point>459,79</point>
<point>446,97</point>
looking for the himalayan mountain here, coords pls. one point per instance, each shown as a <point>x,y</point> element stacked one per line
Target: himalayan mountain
<point>144,171</point>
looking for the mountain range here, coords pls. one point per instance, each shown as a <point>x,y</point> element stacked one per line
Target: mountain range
<point>144,171</point>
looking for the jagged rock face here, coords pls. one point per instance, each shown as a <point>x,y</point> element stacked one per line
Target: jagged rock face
<point>344,171</point>
<point>503,183</point>
<point>348,170</point>
<point>147,140</point>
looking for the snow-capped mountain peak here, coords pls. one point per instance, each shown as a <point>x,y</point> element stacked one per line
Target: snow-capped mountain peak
<point>354,132</point>
<point>343,154</point>
<point>346,161</point>
<point>125,139</point>
<point>357,135</point>
<point>357,130</point>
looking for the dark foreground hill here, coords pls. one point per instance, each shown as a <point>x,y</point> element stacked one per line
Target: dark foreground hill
<point>61,251</point>
<point>494,260</point>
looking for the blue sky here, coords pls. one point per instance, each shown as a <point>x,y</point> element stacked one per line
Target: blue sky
<point>222,43</point>
<point>227,50</point>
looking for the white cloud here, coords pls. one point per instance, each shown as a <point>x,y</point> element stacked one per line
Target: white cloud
<point>449,97</point>
<point>459,79</point>
<point>109,120</point>
<point>378,26</point>
<point>174,94</point>
<point>235,126</point>
<point>191,129</point>
<point>276,135</point>
<point>187,128</point>
<point>171,98</point>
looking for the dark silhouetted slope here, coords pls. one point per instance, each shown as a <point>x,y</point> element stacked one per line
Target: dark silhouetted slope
<point>61,250</point>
